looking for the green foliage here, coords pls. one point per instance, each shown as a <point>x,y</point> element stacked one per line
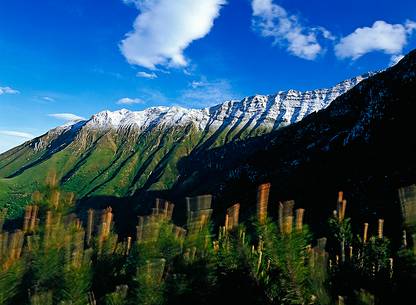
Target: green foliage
<point>76,283</point>
<point>364,298</point>
<point>250,263</point>
<point>376,256</point>
<point>10,282</point>
<point>118,297</point>
<point>340,229</point>
<point>341,233</point>
<point>283,271</point>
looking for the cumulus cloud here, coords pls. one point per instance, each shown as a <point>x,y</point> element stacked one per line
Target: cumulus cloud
<point>16,134</point>
<point>143,74</point>
<point>8,90</point>
<point>165,28</point>
<point>130,101</point>
<point>381,36</point>
<point>272,20</point>
<point>66,116</point>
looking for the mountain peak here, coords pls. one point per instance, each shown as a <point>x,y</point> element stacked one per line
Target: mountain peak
<point>267,111</point>
<point>144,148</point>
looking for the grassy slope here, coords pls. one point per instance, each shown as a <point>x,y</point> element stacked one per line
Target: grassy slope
<point>109,164</point>
<point>15,159</point>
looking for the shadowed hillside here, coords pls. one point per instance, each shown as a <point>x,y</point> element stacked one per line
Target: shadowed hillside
<point>363,142</point>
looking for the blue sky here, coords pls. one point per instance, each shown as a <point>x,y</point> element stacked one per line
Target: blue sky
<point>61,59</point>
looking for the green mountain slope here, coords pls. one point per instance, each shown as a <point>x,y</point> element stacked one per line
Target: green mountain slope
<point>171,149</point>
<point>94,162</point>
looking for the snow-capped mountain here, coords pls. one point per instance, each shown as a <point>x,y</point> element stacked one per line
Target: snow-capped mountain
<point>267,111</point>
<point>360,138</point>
<point>123,152</point>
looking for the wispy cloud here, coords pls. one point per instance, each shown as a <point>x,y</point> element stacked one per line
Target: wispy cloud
<point>66,116</point>
<point>155,97</point>
<point>13,138</point>
<point>272,20</point>
<point>135,2</point>
<point>16,134</point>
<point>143,74</point>
<point>48,98</point>
<point>165,28</point>
<point>203,93</point>
<point>381,36</point>
<point>130,101</point>
<point>8,90</point>
<point>197,84</point>
<point>107,73</point>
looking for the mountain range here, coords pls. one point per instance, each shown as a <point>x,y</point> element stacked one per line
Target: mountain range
<point>356,137</point>
<point>362,144</point>
<point>124,152</point>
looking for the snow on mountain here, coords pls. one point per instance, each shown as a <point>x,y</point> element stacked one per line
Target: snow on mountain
<point>154,116</point>
<point>269,111</point>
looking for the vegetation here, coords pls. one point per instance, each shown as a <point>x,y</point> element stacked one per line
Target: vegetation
<point>56,259</point>
<point>104,163</point>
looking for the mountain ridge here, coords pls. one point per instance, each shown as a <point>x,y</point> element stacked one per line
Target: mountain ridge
<point>267,107</point>
<point>124,152</point>
<point>362,144</point>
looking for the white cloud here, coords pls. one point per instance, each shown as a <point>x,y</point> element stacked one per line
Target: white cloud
<point>272,20</point>
<point>382,36</point>
<point>135,2</point>
<point>16,134</point>
<point>204,93</point>
<point>410,26</point>
<point>48,98</point>
<point>11,138</point>
<point>143,74</point>
<point>66,116</point>
<point>165,28</point>
<point>130,101</point>
<point>8,90</point>
<point>196,84</point>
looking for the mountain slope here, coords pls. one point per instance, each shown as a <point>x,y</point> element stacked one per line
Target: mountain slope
<point>363,143</point>
<point>121,153</point>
